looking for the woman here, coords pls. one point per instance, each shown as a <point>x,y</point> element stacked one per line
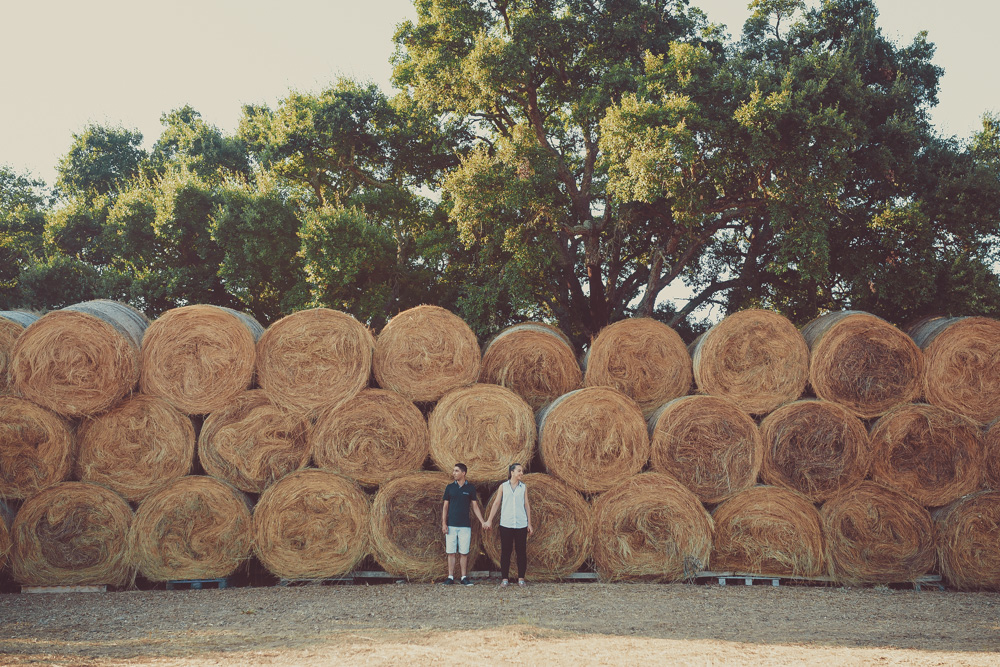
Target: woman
<point>515,522</point>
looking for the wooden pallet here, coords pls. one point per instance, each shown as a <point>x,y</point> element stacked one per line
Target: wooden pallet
<point>103,588</point>
<point>749,579</point>
<point>195,584</point>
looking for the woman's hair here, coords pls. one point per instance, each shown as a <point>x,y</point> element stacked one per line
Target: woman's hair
<point>510,470</point>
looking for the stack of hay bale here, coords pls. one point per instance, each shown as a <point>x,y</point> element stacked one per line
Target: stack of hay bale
<point>181,448</point>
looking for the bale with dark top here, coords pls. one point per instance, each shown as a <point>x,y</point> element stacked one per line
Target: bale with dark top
<point>962,362</point>
<point>968,548</point>
<point>135,447</point>
<point>877,535</point>
<point>252,442</point>
<point>593,438</point>
<point>769,530</point>
<point>564,530</point>
<point>642,358</point>
<point>80,360</point>
<point>195,527</point>
<point>12,324</point>
<point>708,443</point>
<point>371,438</point>
<point>313,358</point>
<point>486,426</point>
<point>931,454</point>
<point>425,352</point>
<point>36,448</point>
<point>72,534</point>
<point>406,526</point>
<point>862,362</point>
<point>651,527</point>
<point>311,524</point>
<point>534,360</point>
<point>756,358</point>
<point>199,358</point>
<point>817,448</point>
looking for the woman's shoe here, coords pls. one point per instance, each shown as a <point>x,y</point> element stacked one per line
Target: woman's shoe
<point>522,583</point>
<point>504,583</point>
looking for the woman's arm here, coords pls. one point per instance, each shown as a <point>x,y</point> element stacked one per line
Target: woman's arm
<point>527,511</point>
<point>494,508</point>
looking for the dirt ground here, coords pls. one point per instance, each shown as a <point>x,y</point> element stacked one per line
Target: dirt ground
<point>561,624</point>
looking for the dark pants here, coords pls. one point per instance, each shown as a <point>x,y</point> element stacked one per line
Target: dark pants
<point>518,539</point>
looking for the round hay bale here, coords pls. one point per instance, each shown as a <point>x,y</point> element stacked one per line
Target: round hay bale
<point>313,358</point>
<point>534,360</point>
<point>756,358</point>
<point>817,448</point>
<point>877,535</point>
<point>968,549</point>
<point>12,323</point>
<point>80,360</point>
<point>563,523</point>
<point>406,526</point>
<point>991,458</point>
<point>252,442</point>
<point>651,527</point>
<point>199,358</point>
<point>311,524</point>
<point>36,448</point>
<point>962,365</point>
<point>644,359</point>
<point>863,362</point>
<point>485,426</point>
<point>195,527</point>
<point>931,454</point>
<point>5,542</point>
<point>371,438</point>
<point>593,438</point>
<point>72,534</point>
<point>708,443</point>
<point>769,530</point>
<point>135,447</point>
<point>425,352</point>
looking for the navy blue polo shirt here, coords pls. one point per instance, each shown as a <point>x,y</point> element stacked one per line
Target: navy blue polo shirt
<point>459,501</point>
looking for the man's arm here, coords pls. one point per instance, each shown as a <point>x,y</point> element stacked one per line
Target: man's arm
<point>478,513</point>
<point>444,517</point>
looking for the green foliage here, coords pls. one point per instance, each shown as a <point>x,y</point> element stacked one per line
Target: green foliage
<point>23,203</point>
<point>100,160</point>
<point>188,141</point>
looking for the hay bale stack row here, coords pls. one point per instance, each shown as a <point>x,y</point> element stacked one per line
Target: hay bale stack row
<point>593,440</point>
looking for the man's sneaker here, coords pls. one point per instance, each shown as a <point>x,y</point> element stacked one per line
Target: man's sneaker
<point>449,580</point>
<point>465,581</point>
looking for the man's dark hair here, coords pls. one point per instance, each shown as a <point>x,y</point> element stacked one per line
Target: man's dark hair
<point>464,468</point>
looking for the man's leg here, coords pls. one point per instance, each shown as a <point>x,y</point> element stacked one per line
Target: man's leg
<point>451,565</point>
<point>463,559</point>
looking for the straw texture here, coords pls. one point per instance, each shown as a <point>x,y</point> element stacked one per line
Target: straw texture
<point>252,442</point>
<point>651,527</point>
<point>593,438</point>
<point>5,542</point>
<point>313,358</point>
<point>968,549</point>
<point>373,437</point>
<point>425,352</point>
<point>563,524</point>
<point>406,526</point>
<point>80,360</point>
<point>311,524</point>
<point>644,359</point>
<point>72,534</point>
<point>12,323</point>
<point>876,535</point>
<point>135,447</point>
<point>991,458</point>
<point>863,362</point>
<point>817,448</point>
<point>534,360</point>
<point>708,443</point>
<point>36,448</point>
<point>756,358</point>
<point>769,530</point>
<point>962,359</point>
<point>195,527</point>
<point>199,358</point>
<point>484,426</point>
<point>931,454</point>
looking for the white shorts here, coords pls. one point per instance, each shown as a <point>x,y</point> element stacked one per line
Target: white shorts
<point>458,539</point>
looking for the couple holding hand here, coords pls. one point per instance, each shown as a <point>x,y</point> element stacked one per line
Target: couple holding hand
<point>515,522</point>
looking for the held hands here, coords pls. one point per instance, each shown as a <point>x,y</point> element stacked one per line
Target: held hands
<point>486,524</point>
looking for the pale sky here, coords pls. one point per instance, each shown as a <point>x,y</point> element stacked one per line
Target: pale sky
<point>125,62</point>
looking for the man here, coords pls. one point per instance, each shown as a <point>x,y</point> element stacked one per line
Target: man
<point>459,496</point>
